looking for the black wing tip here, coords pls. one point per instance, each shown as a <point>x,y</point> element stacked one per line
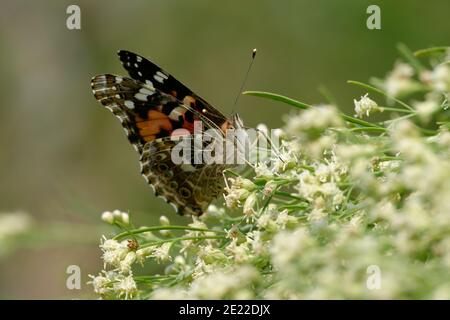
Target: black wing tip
<point>122,52</point>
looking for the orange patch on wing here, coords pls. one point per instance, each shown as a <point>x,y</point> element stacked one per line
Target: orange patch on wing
<point>155,122</point>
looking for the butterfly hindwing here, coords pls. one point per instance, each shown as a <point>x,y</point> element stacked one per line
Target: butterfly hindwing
<point>188,188</point>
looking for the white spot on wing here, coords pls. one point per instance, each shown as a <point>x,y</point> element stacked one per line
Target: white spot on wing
<point>146,91</point>
<point>158,78</point>
<point>138,59</point>
<point>141,97</point>
<point>186,167</point>
<point>176,113</point>
<point>174,206</point>
<point>162,75</point>
<point>162,197</point>
<point>129,104</point>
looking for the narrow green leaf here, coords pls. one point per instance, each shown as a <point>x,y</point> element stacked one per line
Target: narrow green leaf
<point>430,51</point>
<point>277,97</point>
<point>302,105</point>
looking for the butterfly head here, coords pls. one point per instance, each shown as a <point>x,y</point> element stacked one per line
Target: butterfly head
<point>234,123</point>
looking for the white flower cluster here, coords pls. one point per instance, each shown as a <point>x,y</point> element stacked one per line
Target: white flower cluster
<point>338,200</point>
<point>116,216</point>
<point>365,106</point>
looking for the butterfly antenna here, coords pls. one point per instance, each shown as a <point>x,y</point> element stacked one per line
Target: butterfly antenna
<point>245,78</point>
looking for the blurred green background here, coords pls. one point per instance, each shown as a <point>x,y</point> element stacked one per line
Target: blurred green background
<point>64,159</point>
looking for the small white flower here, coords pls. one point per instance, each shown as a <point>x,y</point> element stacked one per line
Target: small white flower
<point>164,221</point>
<point>439,78</point>
<point>127,262</point>
<point>269,188</point>
<point>101,284</point>
<point>161,253</point>
<point>266,221</point>
<point>214,211</point>
<point>126,287</point>
<point>108,217</point>
<point>240,189</point>
<point>240,252</point>
<point>365,105</point>
<point>116,216</point>
<point>109,244</point>
<point>313,120</point>
<point>262,171</point>
<point>284,160</point>
<point>278,133</point>
<point>399,80</point>
<point>12,224</point>
<point>211,255</point>
<point>250,204</point>
<point>125,218</point>
<point>222,284</point>
<point>317,214</point>
<point>288,246</point>
<point>114,252</point>
<point>258,246</point>
<point>179,260</point>
<point>142,254</point>
<point>425,109</point>
<point>284,219</point>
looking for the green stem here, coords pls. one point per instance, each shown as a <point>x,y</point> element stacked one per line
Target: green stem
<point>359,121</point>
<point>158,228</point>
<point>396,109</point>
<point>156,243</point>
<point>400,118</point>
<point>377,129</point>
<point>288,195</point>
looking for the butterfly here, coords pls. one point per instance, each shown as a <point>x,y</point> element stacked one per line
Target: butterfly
<point>152,105</point>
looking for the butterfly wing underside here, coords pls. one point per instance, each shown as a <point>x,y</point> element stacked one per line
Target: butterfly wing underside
<point>151,106</point>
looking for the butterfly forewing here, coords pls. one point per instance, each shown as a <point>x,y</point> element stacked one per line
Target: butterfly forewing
<point>145,71</point>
